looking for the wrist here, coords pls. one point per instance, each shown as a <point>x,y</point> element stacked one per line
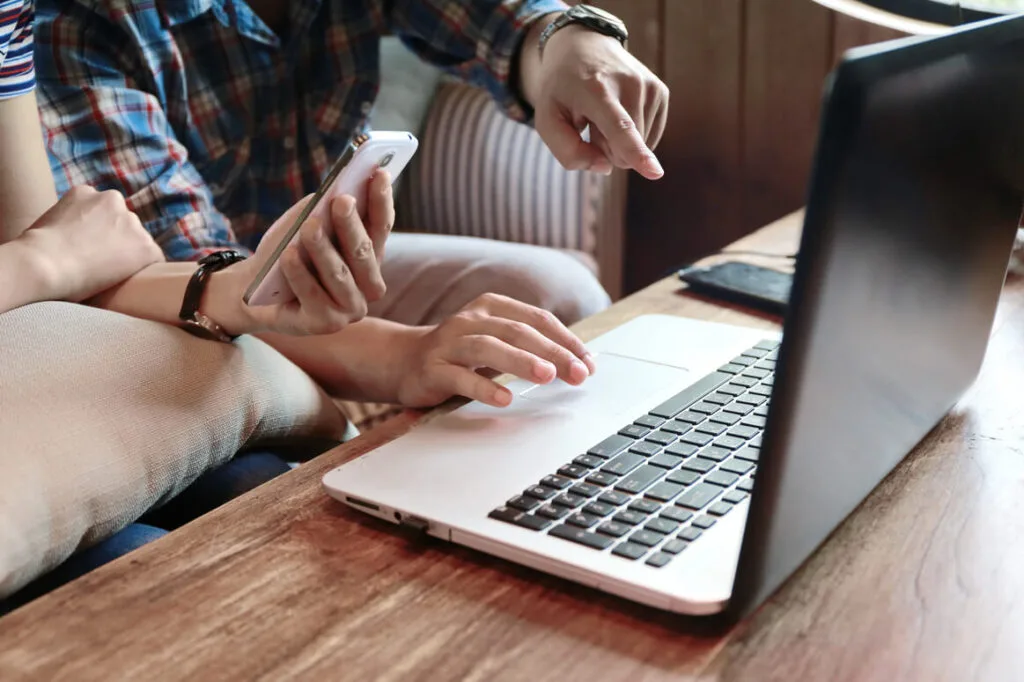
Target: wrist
<point>222,301</point>
<point>40,272</point>
<point>529,60</point>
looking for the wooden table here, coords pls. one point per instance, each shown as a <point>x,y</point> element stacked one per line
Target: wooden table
<point>924,582</point>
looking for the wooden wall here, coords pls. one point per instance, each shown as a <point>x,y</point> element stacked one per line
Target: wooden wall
<point>746,79</point>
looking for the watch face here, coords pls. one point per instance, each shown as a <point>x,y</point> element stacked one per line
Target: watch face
<point>601,14</point>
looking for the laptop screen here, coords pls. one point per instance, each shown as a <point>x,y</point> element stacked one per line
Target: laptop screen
<point>912,213</point>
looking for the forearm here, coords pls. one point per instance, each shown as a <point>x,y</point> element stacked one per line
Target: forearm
<point>156,293</point>
<point>22,281</point>
<point>26,185</point>
<point>364,361</point>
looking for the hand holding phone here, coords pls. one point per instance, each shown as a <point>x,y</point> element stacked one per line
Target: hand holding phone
<point>338,251</point>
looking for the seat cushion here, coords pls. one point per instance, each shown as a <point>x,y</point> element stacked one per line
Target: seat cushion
<point>104,416</point>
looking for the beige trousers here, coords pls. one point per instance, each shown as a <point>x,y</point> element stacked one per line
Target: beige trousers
<point>429,277</point>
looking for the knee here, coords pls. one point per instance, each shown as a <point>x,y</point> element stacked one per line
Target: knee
<point>552,280</point>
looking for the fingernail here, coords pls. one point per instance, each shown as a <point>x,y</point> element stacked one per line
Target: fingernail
<point>588,358</point>
<point>502,396</point>
<point>387,182</point>
<point>318,234</point>
<point>578,371</point>
<point>654,166</point>
<point>544,371</point>
<point>349,207</point>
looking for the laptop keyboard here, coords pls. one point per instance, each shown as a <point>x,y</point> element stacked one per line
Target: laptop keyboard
<point>651,489</point>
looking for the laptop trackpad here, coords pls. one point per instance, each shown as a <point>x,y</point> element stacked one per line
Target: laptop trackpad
<point>618,383</point>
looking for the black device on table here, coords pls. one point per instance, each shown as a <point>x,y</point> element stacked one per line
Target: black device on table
<point>753,286</point>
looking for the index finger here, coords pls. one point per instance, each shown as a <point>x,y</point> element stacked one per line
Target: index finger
<point>380,212</point>
<point>619,129</point>
<point>544,322</point>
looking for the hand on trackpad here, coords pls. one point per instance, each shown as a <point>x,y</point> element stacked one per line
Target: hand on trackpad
<point>618,383</point>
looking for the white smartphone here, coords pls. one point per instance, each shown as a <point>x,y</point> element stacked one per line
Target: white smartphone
<point>350,174</point>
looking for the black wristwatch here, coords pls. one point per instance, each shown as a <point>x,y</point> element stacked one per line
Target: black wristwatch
<point>592,17</point>
<point>193,321</point>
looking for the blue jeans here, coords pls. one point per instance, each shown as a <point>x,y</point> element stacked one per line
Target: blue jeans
<point>209,491</point>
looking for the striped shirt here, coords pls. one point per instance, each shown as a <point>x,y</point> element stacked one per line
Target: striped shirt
<point>212,124</point>
<point>17,75</point>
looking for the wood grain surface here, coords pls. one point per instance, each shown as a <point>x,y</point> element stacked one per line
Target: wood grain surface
<point>924,582</point>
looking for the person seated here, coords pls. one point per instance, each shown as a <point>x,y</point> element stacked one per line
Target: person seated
<point>216,118</point>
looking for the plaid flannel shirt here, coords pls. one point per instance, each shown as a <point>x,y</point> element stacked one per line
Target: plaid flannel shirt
<point>211,124</point>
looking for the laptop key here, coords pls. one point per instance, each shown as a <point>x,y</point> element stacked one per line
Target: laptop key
<point>665,461</point>
<point>761,389</point>
<point>761,411</point>
<point>674,546</point>
<point>568,500</point>
<point>661,438</point>
<point>727,418</point>
<point>629,550</point>
<point>722,478</point>
<point>711,428</point>
<point>581,536</point>
<point>623,464</point>
<point>677,427</point>
<point>745,382</point>
<point>730,442</point>
<point>743,431</point>
<point>715,453</point>
<point>734,496</point>
<point>583,520</point>
<point>660,559</point>
<point>738,408</point>
<point>664,491</point>
<point>646,537</point>
<point>719,509</point>
<point>540,492</point>
<point>573,471</point>
<point>610,446</point>
<point>690,533</point>
<point>746,485</point>
<point>634,431</point>
<point>719,398</point>
<point>699,496</point>
<point>737,466</point>
<point>613,497</point>
<point>599,509</point>
<point>556,482</point>
<point>699,464</point>
<point>757,372</point>
<point>743,360</point>
<point>520,518</point>
<point>646,449</point>
<point>523,503</point>
<point>677,514</point>
<point>614,529</point>
<point>769,381</point>
<point>630,517</point>
<point>589,461</point>
<point>755,352</point>
<point>756,441</point>
<point>585,489</point>
<point>691,417</point>
<point>663,526</point>
<point>681,449</point>
<point>693,393</point>
<point>644,506</point>
<point>649,421</point>
<point>640,480</point>
<point>695,438</point>
<point>552,512</point>
<point>756,421</point>
<point>751,399</point>
<point>733,390</point>
<point>731,368</point>
<point>766,364</point>
<point>748,453</point>
<point>683,477</point>
<point>704,521</point>
<point>601,478</point>
<point>767,344</point>
<point>705,407</point>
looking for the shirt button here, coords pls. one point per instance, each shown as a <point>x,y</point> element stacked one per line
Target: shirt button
<point>367,107</point>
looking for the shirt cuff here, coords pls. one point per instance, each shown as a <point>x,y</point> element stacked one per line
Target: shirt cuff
<point>515,104</point>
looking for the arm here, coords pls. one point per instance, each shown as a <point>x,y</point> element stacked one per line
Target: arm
<point>26,187</point>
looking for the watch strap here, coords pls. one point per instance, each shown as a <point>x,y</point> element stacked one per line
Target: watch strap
<point>189,313</point>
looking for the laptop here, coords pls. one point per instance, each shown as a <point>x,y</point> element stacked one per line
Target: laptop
<point>703,463</point>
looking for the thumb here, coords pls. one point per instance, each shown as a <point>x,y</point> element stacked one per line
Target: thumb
<point>564,141</point>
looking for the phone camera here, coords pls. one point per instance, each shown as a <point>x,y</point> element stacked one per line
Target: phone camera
<point>386,160</point>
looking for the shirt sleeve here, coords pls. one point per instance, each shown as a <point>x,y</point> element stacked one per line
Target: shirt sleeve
<point>476,40</point>
<point>17,72</point>
<point>108,129</point>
